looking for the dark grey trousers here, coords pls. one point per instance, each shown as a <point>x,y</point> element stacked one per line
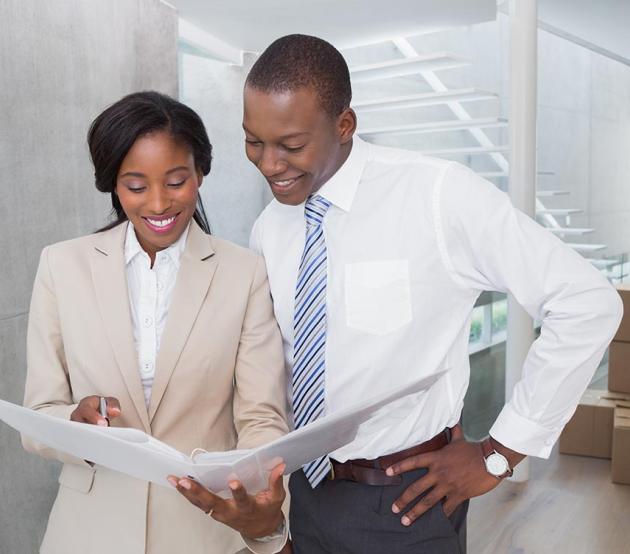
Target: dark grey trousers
<point>343,517</point>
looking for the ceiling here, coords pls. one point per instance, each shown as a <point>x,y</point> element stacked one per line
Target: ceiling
<point>599,24</point>
<point>252,25</point>
<point>234,26</point>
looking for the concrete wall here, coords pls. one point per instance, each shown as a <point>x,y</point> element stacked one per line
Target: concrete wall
<point>61,63</point>
<point>234,193</point>
<point>584,136</point>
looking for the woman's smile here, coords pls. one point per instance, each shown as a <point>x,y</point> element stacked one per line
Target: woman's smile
<point>161,224</point>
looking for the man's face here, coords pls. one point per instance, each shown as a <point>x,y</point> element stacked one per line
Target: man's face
<point>293,142</point>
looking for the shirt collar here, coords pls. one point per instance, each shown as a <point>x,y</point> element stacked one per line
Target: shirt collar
<point>173,252</point>
<point>341,188</point>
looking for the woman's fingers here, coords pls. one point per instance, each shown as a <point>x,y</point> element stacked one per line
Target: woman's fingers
<point>88,410</point>
<point>276,484</point>
<point>113,407</point>
<point>197,494</point>
<point>244,502</point>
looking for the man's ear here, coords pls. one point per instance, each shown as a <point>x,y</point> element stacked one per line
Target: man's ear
<point>346,125</point>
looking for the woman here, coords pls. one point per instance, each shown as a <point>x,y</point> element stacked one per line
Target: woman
<point>174,326</point>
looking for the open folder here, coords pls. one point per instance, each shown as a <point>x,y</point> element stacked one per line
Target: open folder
<point>135,453</point>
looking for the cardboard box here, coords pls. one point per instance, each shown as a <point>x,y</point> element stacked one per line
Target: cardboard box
<point>623,333</point>
<point>590,430</point>
<point>619,366</point>
<point>620,466</point>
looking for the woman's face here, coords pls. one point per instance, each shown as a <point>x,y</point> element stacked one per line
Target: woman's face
<point>157,186</point>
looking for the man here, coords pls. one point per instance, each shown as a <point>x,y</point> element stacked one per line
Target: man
<point>375,259</point>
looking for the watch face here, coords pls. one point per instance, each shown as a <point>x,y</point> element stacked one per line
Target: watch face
<point>496,464</point>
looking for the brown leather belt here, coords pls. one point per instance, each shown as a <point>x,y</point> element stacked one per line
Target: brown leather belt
<point>372,472</point>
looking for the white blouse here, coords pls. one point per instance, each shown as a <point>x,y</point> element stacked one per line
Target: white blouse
<point>150,293</point>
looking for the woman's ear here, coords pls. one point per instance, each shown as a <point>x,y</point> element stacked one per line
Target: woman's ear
<point>199,178</point>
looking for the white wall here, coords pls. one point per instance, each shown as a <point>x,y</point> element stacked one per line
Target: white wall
<point>234,193</point>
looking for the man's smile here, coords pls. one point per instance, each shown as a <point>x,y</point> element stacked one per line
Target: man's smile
<point>283,186</point>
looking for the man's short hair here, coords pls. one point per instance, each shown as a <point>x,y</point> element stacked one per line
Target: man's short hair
<point>298,61</point>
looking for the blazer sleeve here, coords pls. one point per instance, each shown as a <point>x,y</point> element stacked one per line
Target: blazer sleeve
<point>260,389</point>
<point>47,383</point>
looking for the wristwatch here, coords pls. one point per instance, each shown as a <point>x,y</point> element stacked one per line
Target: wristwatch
<point>496,463</point>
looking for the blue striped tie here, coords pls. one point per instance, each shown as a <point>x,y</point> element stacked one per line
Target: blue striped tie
<point>309,326</point>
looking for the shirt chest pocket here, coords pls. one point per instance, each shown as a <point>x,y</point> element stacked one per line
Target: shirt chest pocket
<point>377,296</point>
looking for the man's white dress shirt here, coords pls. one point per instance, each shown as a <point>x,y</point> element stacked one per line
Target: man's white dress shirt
<point>412,241</point>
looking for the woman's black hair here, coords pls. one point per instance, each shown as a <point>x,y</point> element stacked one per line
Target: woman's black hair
<point>114,131</point>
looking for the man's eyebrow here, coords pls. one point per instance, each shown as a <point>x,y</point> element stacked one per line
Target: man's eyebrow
<point>283,137</point>
<point>293,135</point>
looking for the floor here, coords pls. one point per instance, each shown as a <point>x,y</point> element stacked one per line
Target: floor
<point>569,506</point>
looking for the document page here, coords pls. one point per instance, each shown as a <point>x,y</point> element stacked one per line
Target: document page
<point>308,443</point>
<point>129,451</point>
<point>139,455</point>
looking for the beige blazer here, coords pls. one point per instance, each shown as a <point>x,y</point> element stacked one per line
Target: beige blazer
<point>219,384</point>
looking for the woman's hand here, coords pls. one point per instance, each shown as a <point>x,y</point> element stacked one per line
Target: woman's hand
<point>252,516</point>
<point>88,411</point>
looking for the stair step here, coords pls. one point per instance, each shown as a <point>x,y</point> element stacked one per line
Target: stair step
<point>602,264</point>
<point>570,230</point>
<point>425,99</point>
<point>406,66</point>
<point>558,211</point>
<point>492,174</point>
<point>548,193</point>
<point>471,150</point>
<point>586,247</point>
<point>435,126</point>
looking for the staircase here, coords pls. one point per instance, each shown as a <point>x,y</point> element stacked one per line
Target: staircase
<point>485,153</point>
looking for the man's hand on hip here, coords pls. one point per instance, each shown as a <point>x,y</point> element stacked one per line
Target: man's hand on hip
<point>456,473</point>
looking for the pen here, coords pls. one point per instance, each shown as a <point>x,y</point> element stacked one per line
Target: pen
<point>103,408</point>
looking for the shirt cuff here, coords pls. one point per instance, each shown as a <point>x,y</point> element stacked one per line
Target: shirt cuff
<point>271,543</point>
<point>523,435</point>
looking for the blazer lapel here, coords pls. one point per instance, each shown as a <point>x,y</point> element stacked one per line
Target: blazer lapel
<point>195,274</point>
<point>110,285</point>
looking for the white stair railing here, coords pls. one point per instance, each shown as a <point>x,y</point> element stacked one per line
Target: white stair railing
<point>459,111</point>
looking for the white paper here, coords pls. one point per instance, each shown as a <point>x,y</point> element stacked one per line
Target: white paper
<point>135,453</point>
